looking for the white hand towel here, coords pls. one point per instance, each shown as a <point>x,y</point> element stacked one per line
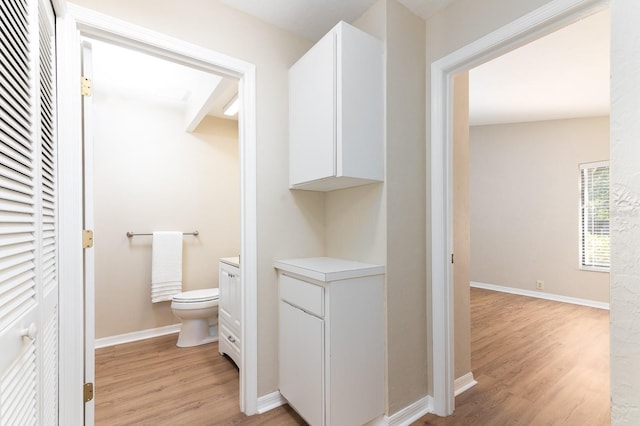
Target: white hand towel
<point>166,266</point>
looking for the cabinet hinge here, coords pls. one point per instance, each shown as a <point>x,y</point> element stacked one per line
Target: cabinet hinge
<point>87,392</point>
<point>87,238</point>
<point>85,87</point>
<point>451,258</point>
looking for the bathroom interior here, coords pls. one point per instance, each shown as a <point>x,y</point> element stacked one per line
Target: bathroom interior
<point>167,144</point>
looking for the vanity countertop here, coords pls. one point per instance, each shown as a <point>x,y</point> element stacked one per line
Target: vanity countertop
<point>233,261</point>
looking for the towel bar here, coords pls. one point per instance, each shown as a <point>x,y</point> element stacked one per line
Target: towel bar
<point>136,234</point>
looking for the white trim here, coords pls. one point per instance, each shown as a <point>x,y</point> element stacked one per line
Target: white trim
<point>270,401</point>
<point>103,27</point>
<point>249,243</point>
<point>134,336</point>
<point>59,7</point>
<point>594,164</point>
<point>411,413</point>
<point>71,291</point>
<point>540,295</point>
<point>551,16</point>
<point>464,383</point>
<point>594,268</point>
<point>86,59</point>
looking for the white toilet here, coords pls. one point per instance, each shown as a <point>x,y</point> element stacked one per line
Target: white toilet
<point>194,308</point>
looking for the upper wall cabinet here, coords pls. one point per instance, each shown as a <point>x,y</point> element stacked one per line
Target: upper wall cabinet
<point>336,112</point>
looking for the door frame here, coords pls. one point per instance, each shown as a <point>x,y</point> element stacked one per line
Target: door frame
<point>542,21</point>
<point>77,22</point>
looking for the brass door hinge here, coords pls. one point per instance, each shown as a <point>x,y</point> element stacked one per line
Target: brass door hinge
<point>88,392</point>
<point>87,238</point>
<point>85,87</point>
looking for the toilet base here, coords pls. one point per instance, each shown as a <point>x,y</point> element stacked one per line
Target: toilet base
<point>194,332</point>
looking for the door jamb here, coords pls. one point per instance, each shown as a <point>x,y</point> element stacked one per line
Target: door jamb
<point>77,21</point>
<point>544,20</point>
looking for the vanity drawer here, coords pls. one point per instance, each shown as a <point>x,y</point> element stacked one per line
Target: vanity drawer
<point>229,343</point>
<point>306,296</point>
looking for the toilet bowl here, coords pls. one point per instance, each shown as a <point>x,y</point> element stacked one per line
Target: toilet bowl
<point>194,308</point>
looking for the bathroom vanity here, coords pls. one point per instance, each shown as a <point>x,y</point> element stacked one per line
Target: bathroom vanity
<point>229,308</point>
<point>331,339</point>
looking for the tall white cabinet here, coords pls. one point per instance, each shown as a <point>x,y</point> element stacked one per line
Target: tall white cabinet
<point>336,112</point>
<point>229,308</point>
<point>331,347</point>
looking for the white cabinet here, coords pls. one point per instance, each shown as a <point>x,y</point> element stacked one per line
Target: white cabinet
<point>229,309</point>
<point>336,112</point>
<point>331,340</point>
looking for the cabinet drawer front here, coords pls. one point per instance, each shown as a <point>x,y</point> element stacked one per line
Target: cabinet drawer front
<point>229,343</point>
<point>308,297</point>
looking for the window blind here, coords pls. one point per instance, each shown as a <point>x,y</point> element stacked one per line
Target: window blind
<point>594,215</point>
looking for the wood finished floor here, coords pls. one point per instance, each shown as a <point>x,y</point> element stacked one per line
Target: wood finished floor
<point>153,382</point>
<point>537,362</point>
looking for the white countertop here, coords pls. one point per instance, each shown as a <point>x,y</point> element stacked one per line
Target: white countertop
<point>233,261</point>
<point>327,269</point>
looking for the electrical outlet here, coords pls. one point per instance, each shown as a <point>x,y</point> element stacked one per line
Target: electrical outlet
<point>539,285</point>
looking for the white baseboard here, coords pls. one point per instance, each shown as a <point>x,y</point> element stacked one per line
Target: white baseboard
<point>136,335</point>
<point>149,333</point>
<point>464,383</point>
<point>403,417</point>
<point>270,401</point>
<point>411,413</point>
<point>541,295</point>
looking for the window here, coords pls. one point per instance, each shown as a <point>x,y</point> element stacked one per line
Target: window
<point>594,216</point>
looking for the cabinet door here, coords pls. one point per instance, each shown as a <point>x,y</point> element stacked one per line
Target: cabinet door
<point>302,362</point>
<point>234,290</point>
<point>312,117</point>
<point>360,97</point>
<point>224,309</point>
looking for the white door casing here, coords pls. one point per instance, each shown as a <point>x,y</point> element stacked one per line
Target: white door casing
<point>83,22</point>
<point>28,218</point>
<point>89,254</point>
<point>544,20</point>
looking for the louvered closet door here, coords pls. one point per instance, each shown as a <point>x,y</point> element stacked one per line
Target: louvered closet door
<point>28,248</point>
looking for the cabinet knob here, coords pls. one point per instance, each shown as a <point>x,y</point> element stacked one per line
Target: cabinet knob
<point>29,332</point>
<point>231,339</point>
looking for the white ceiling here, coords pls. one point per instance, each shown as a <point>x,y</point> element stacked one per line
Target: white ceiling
<point>158,80</point>
<point>562,75</point>
<point>312,19</point>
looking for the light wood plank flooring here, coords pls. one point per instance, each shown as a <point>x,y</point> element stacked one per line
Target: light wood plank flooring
<point>153,382</point>
<point>537,362</point>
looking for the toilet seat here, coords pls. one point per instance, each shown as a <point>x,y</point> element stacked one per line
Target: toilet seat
<point>196,296</point>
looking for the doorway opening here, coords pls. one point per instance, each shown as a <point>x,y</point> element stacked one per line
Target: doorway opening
<point>163,155</point>
<point>80,22</point>
<point>543,21</point>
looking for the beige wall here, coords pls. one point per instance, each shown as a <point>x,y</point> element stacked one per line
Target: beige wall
<point>385,223</point>
<point>289,224</point>
<point>151,175</point>
<point>525,197</point>
<point>355,225</point>
<point>406,204</point>
<point>461,226</point>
